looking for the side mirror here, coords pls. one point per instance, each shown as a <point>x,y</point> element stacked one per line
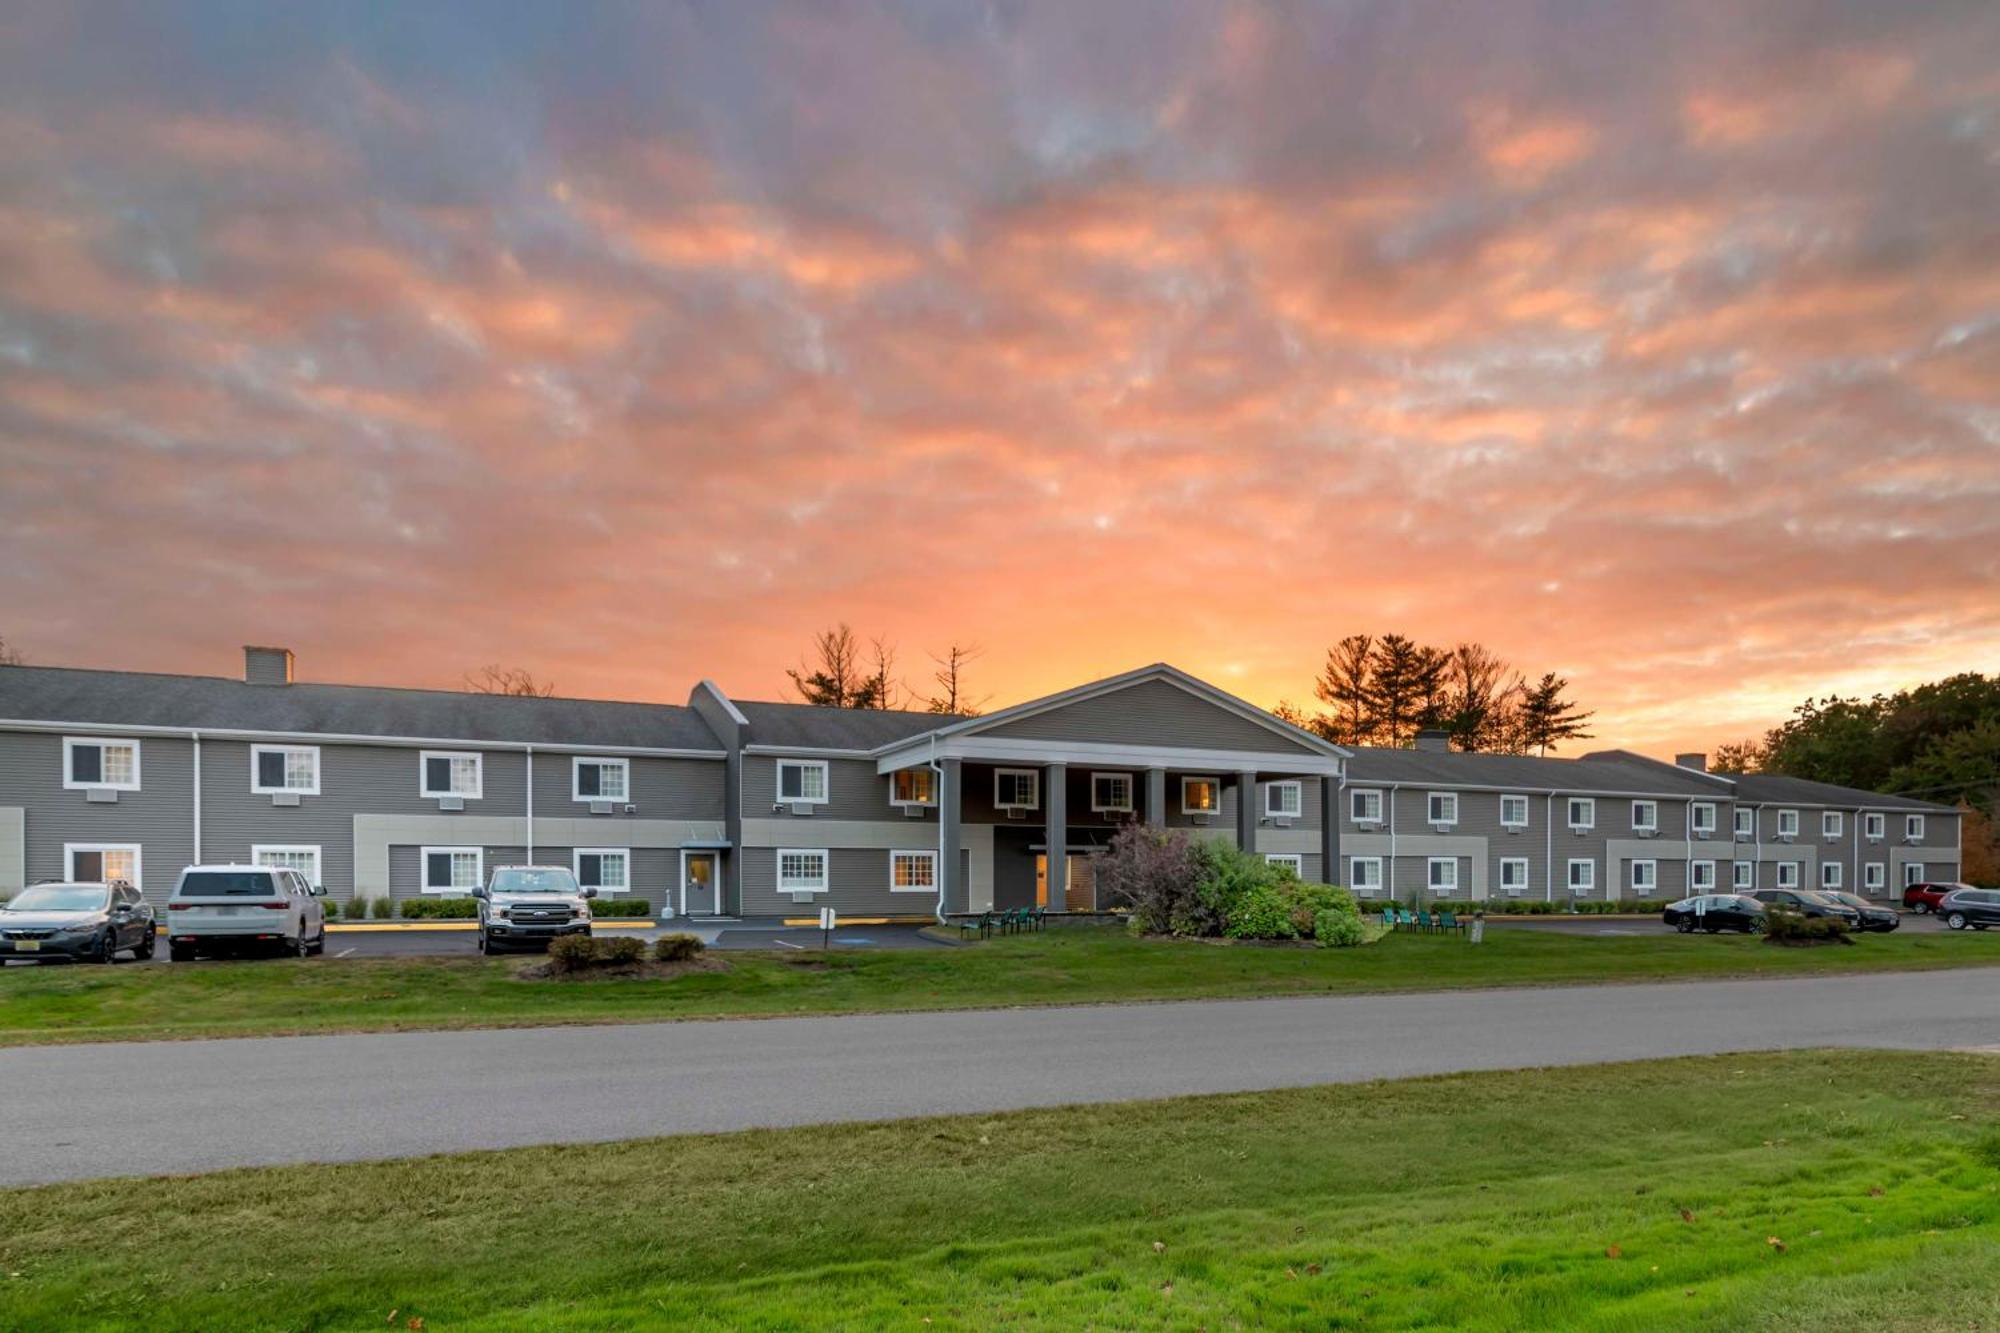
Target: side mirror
<point>589,892</point>
<point>480,892</point>
<point>319,890</point>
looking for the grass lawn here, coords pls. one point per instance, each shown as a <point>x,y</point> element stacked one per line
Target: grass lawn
<point>1810,1190</point>
<point>1065,966</point>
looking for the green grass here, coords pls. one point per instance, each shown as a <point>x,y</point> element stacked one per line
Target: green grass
<point>1068,966</point>
<point>1621,1197</point>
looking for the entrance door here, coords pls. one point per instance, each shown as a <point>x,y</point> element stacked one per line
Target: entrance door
<point>701,886</point>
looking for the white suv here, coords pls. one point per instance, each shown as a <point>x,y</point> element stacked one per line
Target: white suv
<point>236,907</point>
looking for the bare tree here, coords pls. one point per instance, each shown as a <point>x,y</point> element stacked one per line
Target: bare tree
<point>10,655</point>
<point>840,673</point>
<point>508,680</point>
<point>950,679</point>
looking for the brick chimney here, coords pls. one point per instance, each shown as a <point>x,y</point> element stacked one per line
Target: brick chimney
<point>1696,761</point>
<point>1436,740</point>
<point>266,666</point>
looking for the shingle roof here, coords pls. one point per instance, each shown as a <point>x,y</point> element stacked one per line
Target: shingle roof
<point>144,699</point>
<point>1770,788</point>
<point>1525,772</point>
<point>812,728</point>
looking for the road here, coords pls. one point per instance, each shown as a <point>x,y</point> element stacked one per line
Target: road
<point>185,1106</point>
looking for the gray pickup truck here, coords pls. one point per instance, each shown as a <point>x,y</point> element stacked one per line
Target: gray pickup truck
<point>524,907</point>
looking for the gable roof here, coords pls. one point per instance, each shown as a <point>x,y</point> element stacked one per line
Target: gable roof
<point>138,699</point>
<point>809,727</point>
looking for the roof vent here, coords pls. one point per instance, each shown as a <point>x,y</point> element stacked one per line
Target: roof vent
<point>1435,740</point>
<point>1696,761</point>
<point>267,666</point>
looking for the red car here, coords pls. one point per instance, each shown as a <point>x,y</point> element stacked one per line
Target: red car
<point>1923,898</point>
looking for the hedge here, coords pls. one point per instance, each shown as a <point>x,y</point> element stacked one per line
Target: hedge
<point>620,907</point>
<point>434,909</point>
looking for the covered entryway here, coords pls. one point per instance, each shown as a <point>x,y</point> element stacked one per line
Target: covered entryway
<point>701,883</point>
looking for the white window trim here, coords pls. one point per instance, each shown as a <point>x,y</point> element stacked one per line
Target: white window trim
<point>926,804</point>
<point>1913,825</point>
<point>825,782</point>
<point>1296,861</point>
<point>1695,874</point>
<point>1875,827</point>
<point>1451,820</point>
<point>1743,822</point>
<point>1793,832</point>
<point>1832,823</point>
<point>928,855</point>
<point>1589,884</point>
<point>825,869</point>
<point>1354,794</point>
<point>259,789</point>
<point>1375,861</point>
<point>1913,873</point>
<point>316,878</point>
<point>70,849</point>
<point>1505,822</point>
<point>1796,868</point>
<point>71,784</point>
<point>1874,875</point>
<point>1652,870</point>
<point>576,764</point>
<point>577,854</point>
<point>424,855</point>
<point>1431,864</point>
<point>1514,890</point>
<point>1214,785</point>
<point>1652,825</point>
<point>1034,777</point>
<point>1298,801</point>
<point>478,759</point>
<point>1830,876</point>
<point>1695,823</point>
<point>1131,793</point>
<point>1738,880</point>
<point>1589,820</point>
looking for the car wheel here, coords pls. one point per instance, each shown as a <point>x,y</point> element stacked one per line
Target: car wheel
<point>147,944</point>
<point>482,945</point>
<point>1684,926</point>
<point>319,941</point>
<point>179,953</point>
<point>1920,907</point>
<point>1713,930</point>
<point>107,946</point>
<point>1956,921</point>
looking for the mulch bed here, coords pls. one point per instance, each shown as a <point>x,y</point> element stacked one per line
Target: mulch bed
<point>645,970</point>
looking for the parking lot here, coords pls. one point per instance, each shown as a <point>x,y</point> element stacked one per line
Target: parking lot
<point>1601,926</point>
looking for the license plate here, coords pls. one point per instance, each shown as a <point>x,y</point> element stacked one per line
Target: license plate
<point>28,946</point>
<point>222,911</point>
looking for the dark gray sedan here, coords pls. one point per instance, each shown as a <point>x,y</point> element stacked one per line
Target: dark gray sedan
<point>89,921</point>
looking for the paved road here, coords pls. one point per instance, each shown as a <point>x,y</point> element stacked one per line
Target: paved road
<point>184,1106</point>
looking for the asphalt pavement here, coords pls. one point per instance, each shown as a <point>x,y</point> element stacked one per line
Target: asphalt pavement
<point>183,1106</point>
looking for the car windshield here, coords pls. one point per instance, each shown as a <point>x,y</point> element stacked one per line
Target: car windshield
<point>1823,899</point>
<point>1846,898</point>
<point>520,879</point>
<point>226,884</point>
<point>61,898</point>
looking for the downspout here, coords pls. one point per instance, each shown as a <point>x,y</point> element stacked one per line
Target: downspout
<point>1687,866</point>
<point>1549,848</point>
<point>197,795</point>
<point>937,787</point>
<point>531,805</point>
<point>1392,845</point>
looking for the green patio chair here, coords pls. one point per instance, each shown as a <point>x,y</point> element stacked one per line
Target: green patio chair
<point>1424,921</point>
<point>1449,921</point>
<point>981,925</point>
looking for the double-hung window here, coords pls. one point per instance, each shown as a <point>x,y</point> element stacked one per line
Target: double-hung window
<point>1788,874</point>
<point>1441,807</point>
<point>594,779</point>
<point>1701,818</point>
<point>1364,874</point>
<point>1111,793</point>
<point>1645,876</point>
<point>1201,796</point>
<point>452,773</point>
<point>802,781</point>
<point>277,769</point>
<point>1913,873</point>
<point>302,858</point>
<point>913,786</point>
<point>1703,880</point>
<point>913,872</point>
<point>1874,827</point>
<point>102,861</point>
<point>1746,823</point>
<point>1017,788</point>
<point>1743,875</point>
<point>802,870</point>
<point>1913,828</point>
<point>1443,874</point>
<point>1582,813</point>
<point>1513,875</point>
<point>1284,800</point>
<point>1645,816</point>
<point>606,869</point>
<point>1582,875</point>
<point>1292,861</point>
<point>1788,823</point>
<point>1364,805</point>
<point>1830,823</point>
<point>1513,812</point>
<point>1872,876</point>
<point>91,761</point>
<point>1829,875</point>
<point>453,869</point>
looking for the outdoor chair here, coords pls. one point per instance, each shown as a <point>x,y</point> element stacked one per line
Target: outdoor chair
<point>1424,922</point>
<point>1449,921</point>
<point>981,925</point>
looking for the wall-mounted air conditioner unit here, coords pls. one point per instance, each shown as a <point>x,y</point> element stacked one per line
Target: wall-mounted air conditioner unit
<point>451,803</point>
<point>101,796</point>
<point>1017,812</point>
<point>802,807</point>
<point>284,798</point>
<point>600,807</point>
<point>913,812</point>
<point>1647,832</point>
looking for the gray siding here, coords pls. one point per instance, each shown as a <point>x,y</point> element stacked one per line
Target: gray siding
<point>659,788</point>
<point>854,791</point>
<point>858,878</point>
<point>1153,712</point>
<point>159,817</point>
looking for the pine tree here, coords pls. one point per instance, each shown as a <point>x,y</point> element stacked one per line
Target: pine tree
<point>1548,719</point>
<point>1343,685</point>
<point>1394,689</point>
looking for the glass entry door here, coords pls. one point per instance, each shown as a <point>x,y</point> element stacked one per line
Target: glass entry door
<point>701,886</point>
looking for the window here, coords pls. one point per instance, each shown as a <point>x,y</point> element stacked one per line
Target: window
<point>1645,816</point>
<point>1364,874</point>
<point>1788,823</point>
<point>1364,805</point>
<point>1829,875</point>
<point>1829,823</point>
<point>304,859</point>
<point>1788,874</point>
<point>1743,874</point>
<point>802,781</point>
<point>1913,827</point>
<point>1746,823</point>
<point>600,779</point>
<point>1913,873</point>
<point>1441,807</point>
<point>1703,880</point>
<point>285,768</point>
<point>606,869</point>
<point>1284,800</point>
<point>1513,875</point>
<point>1645,876</point>
<point>453,869</point>
<point>1442,875</point>
<point>95,861</point>
<point>1701,818</point>
<point>1582,812</point>
<point>1874,827</point>
<point>1291,861</point>
<point>913,872</point>
<point>1582,876</point>
<point>106,764</point>
<point>1111,793</point>
<point>1871,875</point>
<point>1017,788</point>
<point>913,786</point>
<point>1514,812</point>
<point>1201,796</point>
<point>801,871</point>
<point>452,773</point>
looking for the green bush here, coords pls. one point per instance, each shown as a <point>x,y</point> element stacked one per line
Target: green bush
<point>1159,874</point>
<point>381,908</point>
<point>1784,926</point>
<point>620,907</point>
<point>1304,902</point>
<point>331,908</point>
<point>1335,929</point>
<point>676,948</point>
<point>572,953</point>
<point>621,949</point>
<point>1231,878</point>
<point>1261,913</point>
<point>439,909</point>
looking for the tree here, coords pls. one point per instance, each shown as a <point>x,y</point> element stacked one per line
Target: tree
<point>1480,700</point>
<point>1939,741</point>
<point>1959,766</point>
<point>1317,723</point>
<point>839,675</point>
<point>1548,719</point>
<point>1395,688</point>
<point>9,655</point>
<point>1745,756</point>
<point>1831,740</point>
<point>508,680</point>
<point>950,680</point>
<point>1344,685</point>
<point>1979,844</point>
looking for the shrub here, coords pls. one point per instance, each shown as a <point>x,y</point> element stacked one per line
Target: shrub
<point>1261,913</point>
<point>332,909</point>
<point>1333,928</point>
<point>1787,927</point>
<point>1230,878</point>
<point>1304,901</point>
<point>1158,873</point>
<point>620,907</point>
<point>439,909</point>
<point>572,953</point>
<point>621,949</point>
<point>381,909</point>
<point>677,948</point>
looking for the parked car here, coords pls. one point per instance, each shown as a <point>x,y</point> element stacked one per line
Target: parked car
<point>1874,916</point>
<point>1715,912</point>
<point>230,908</point>
<point>1808,902</point>
<point>78,920</point>
<point>1925,897</point>
<point>527,906</point>
<point>1978,908</point>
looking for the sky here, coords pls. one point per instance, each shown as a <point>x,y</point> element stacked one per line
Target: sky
<point>1654,344</point>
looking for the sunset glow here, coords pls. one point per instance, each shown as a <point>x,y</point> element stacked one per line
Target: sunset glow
<point>631,348</point>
